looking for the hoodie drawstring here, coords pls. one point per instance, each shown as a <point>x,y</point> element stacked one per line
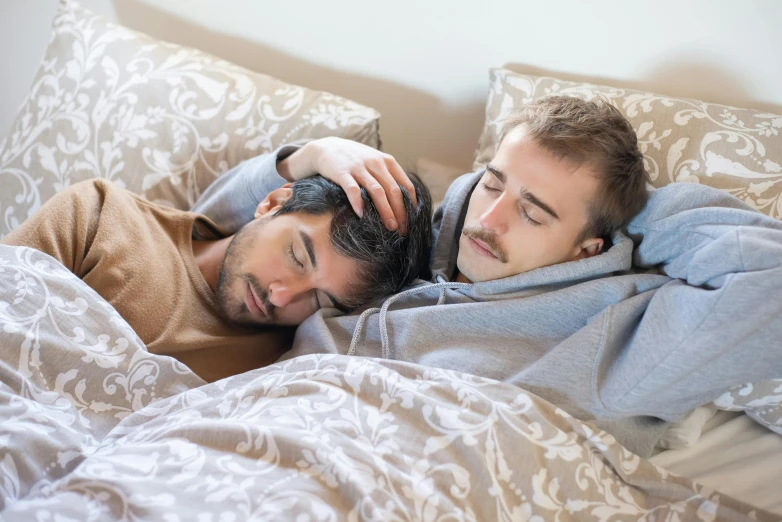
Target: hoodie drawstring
<point>360,326</point>
<point>385,352</point>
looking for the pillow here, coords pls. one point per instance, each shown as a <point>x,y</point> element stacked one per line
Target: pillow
<point>437,178</point>
<point>687,431</point>
<point>159,119</point>
<point>761,401</point>
<point>735,150</point>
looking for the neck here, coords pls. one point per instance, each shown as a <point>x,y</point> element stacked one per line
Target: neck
<point>209,257</point>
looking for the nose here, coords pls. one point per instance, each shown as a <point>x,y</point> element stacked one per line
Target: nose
<point>283,293</point>
<point>495,219</point>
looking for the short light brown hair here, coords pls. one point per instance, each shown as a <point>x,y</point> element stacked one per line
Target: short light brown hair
<point>593,134</point>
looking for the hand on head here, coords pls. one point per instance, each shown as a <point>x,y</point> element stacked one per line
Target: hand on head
<point>354,166</point>
<point>307,249</point>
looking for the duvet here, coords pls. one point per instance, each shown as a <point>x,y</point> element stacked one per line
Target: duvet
<point>94,427</point>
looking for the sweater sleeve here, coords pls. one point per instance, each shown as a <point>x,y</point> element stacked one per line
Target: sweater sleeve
<point>718,323</point>
<point>65,226</point>
<point>230,201</point>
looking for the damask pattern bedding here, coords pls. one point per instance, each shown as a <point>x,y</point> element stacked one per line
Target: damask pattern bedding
<point>93,427</point>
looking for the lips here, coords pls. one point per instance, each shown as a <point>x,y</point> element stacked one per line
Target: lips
<point>482,248</point>
<point>254,304</point>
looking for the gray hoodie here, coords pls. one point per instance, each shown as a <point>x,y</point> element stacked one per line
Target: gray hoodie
<point>684,306</point>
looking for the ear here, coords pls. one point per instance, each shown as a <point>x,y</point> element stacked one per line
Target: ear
<point>589,247</point>
<point>274,201</point>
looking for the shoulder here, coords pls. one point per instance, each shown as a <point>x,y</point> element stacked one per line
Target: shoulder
<point>110,200</point>
<point>89,191</point>
<point>679,200</point>
<point>694,195</point>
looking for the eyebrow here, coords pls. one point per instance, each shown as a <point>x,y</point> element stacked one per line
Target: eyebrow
<point>310,248</point>
<point>525,194</point>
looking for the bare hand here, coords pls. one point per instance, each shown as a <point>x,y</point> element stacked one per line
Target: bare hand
<point>352,165</point>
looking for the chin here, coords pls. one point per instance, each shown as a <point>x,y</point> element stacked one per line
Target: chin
<point>246,320</point>
<point>475,273</point>
<point>467,270</point>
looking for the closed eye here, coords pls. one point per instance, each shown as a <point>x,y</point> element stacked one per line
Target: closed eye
<point>487,188</point>
<point>523,212</point>
<point>528,218</point>
<point>293,257</point>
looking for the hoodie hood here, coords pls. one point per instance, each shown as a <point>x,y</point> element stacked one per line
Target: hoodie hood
<point>445,250</point>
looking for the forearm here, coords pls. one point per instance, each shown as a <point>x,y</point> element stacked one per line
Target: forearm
<point>702,235</point>
<point>692,344</point>
<point>717,324</point>
<point>232,199</point>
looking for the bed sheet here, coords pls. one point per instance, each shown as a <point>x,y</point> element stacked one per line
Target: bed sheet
<point>734,455</point>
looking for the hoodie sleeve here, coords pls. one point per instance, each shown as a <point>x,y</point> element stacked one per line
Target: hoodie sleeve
<point>718,323</point>
<point>232,199</point>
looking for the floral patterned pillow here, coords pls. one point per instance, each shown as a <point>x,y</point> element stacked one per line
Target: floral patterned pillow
<point>735,150</point>
<point>160,119</point>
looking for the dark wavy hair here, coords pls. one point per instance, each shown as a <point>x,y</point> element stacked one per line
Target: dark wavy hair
<point>388,261</point>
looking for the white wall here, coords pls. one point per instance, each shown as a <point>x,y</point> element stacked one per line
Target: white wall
<point>424,65</point>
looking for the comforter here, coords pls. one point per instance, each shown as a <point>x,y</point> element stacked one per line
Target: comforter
<point>94,427</point>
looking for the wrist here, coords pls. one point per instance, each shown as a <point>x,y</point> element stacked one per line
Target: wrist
<point>300,164</point>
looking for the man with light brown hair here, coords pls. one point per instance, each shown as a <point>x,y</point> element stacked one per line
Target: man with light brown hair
<point>555,270</point>
<point>567,175</point>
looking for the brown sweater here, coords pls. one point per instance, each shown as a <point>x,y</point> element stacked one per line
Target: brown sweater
<point>139,257</point>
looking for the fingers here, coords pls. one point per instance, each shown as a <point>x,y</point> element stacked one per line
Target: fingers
<point>377,193</point>
<point>353,191</point>
<point>380,171</point>
<point>401,178</point>
<point>353,165</point>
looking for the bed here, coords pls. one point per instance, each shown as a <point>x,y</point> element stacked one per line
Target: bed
<point>734,455</point>
<point>97,428</point>
<point>94,427</point>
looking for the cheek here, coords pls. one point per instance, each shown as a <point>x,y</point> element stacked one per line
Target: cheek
<point>542,246</point>
<point>266,263</point>
<point>479,202</point>
<point>265,252</point>
<point>528,245</point>
<point>295,313</point>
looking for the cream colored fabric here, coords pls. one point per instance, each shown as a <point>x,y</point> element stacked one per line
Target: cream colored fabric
<point>686,432</point>
<point>735,456</point>
<point>159,119</point>
<point>735,150</point>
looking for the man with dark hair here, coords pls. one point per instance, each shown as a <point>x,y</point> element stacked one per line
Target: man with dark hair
<point>193,292</point>
<point>536,282</point>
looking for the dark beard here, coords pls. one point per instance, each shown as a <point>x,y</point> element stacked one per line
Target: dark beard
<point>233,312</point>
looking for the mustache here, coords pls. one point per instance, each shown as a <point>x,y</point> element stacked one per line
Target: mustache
<point>489,238</point>
<point>262,294</point>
